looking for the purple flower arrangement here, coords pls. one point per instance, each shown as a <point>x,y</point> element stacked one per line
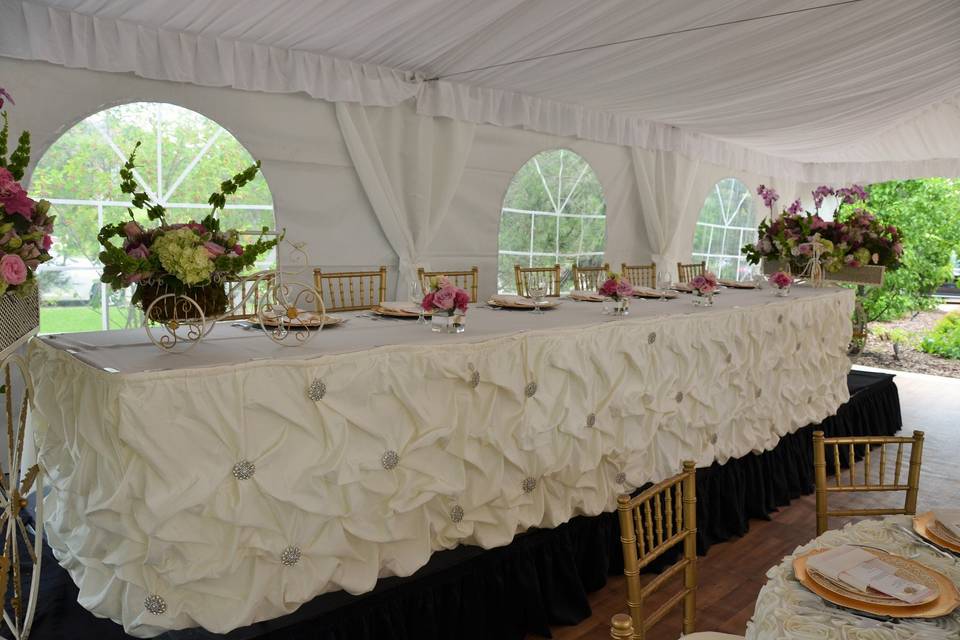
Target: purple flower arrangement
<point>796,236</point>
<point>781,280</point>
<point>705,284</point>
<point>25,227</point>
<point>616,287</point>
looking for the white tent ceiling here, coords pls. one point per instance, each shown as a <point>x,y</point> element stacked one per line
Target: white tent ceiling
<point>872,81</point>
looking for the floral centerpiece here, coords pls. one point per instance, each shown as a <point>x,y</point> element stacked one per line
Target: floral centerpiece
<point>25,238</point>
<point>618,289</point>
<point>704,286</point>
<point>806,243</point>
<point>192,259</point>
<point>448,304</point>
<point>782,281</point>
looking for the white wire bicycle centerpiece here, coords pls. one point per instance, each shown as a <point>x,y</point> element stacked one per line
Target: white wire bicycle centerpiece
<point>188,276</point>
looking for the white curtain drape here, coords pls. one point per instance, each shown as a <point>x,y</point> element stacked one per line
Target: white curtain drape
<point>668,188</point>
<point>410,167</point>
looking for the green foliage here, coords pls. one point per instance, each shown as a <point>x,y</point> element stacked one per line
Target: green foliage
<point>553,181</point>
<point>927,212</point>
<point>20,157</point>
<point>944,338</point>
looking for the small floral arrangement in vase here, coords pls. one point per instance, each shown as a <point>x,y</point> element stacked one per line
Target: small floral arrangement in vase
<point>25,239</point>
<point>449,305</point>
<point>618,289</point>
<point>172,260</point>
<point>704,286</point>
<point>782,281</point>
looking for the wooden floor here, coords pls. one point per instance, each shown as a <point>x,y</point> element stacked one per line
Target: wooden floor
<point>732,573</point>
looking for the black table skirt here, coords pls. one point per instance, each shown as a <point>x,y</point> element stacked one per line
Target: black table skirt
<point>541,578</point>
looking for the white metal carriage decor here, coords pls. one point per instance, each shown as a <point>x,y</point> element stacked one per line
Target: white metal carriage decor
<point>276,300</point>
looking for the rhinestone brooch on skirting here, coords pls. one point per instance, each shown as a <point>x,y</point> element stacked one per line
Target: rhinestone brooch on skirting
<point>390,459</point>
<point>155,605</point>
<point>290,556</point>
<point>591,420</point>
<point>528,484</point>
<point>530,389</point>
<point>317,390</point>
<point>651,338</point>
<point>244,470</point>
<point>621,478</point>
<point>679,396</point>
<point>475,379</point>
<point>456,513</point>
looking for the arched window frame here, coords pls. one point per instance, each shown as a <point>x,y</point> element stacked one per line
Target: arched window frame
<point>155,190</point>
<point>718,261</point>
<point>559,201</point>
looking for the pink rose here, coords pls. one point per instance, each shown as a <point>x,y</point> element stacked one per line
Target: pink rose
<point>445,298</point>
<point>12,196</point>
<point>196,226</point>
<point>132,230</point>
<point>461,300</point>
<point>624,288</point>
<point>781,280</point>
<point>609,287</point>
<point>427,302</point>
<point>138,250</point>
<point>213,249</point>
<point>238,250</point>
<point>47,242</point>
<point>698,282</point>
<point>12,269</point>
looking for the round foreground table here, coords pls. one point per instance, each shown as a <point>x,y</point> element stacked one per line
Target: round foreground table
<point>786,609</point>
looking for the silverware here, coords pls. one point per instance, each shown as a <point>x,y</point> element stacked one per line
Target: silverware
<point>863,614</point>
<point>921,540</point>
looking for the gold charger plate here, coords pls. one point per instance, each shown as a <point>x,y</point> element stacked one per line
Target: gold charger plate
<point>307,319</point>
<point>546,304</point>
<point>398,313</point>
<point>655,295</point>
<point>928,527</point>
<point>945,603</point>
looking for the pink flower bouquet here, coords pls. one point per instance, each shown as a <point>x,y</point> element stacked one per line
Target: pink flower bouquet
<point>445,298</point>
<point>781,280</point>
<point>25,227</point>
<point>705,284</point>
<point>616,287</point>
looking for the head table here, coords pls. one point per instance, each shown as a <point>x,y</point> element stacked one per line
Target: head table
<point>234,482</point>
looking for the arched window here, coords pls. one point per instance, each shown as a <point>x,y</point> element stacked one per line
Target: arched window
<point>183,158</point>
<point>554,212</point>
<point>726,223</point>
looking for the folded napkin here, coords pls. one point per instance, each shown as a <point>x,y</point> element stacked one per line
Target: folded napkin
<point>734,284</point>
<point>860,569</point>
<point>682,287</point>
<point>654,293</point>
<point>518,301</point>
<point>586,296</point>
<point>400,307</point>
<point>949,519</point>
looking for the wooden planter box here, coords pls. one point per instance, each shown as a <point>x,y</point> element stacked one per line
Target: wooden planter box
<point>19,319</point>
<point>868,275</point>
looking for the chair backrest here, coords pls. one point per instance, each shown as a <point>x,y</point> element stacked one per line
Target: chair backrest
<point>589,278</point>
<point>351,290</point>
<point>640,275</point>
<point>687,272</point>
<point>852,447</point>
<point>252,291</point>
<point>527,275</point>
<point>651,524</point>
<point>467,280</point>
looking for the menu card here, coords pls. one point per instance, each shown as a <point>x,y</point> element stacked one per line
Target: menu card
<point>859,569</point>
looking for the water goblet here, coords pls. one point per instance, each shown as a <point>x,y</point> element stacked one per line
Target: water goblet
<point>538,292</point>
<point>663,283</point>
<point>416,297</point>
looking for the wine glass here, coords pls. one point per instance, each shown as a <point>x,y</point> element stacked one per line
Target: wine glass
<point>416,297</point>
<point>538,292</point>
<point>664,280</point>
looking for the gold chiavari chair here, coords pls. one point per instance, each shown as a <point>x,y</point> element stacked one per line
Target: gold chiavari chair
<point>687,272</point>
<point>256,289</point>
<point>351,290</point>
<point>651,524</point>
<point>467,280</point>
<point>640,275</point>
<point>912,487</point>
<point>589,278</point>
<point>526,275</point>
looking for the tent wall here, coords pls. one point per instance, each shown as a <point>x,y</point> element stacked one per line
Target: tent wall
<point>317,194</point>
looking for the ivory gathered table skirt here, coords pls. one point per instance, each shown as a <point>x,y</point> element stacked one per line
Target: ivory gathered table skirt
<point>786,610</point>
<point>234,482</point>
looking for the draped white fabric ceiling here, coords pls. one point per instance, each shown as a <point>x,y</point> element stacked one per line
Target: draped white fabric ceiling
<point>876,81</point>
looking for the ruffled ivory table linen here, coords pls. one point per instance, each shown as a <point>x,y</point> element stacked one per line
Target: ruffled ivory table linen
<point>787,610</point>
<point>237,481</point>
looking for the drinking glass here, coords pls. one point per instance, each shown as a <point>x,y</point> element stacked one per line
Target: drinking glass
<point>538,292</point>
<point>416,297</point>
<point>664,280</point>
